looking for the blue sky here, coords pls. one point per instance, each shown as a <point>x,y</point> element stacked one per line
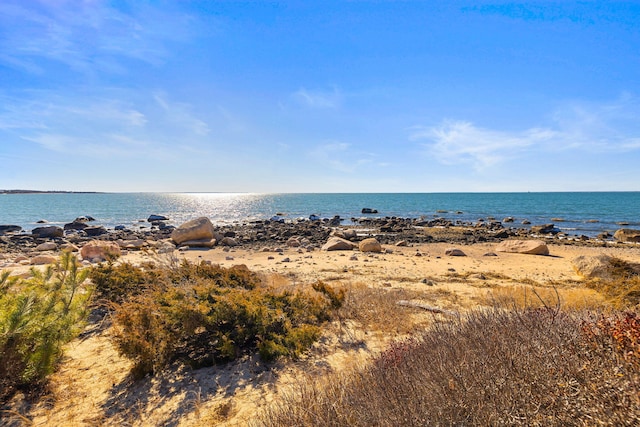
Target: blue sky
<point>319,96</point>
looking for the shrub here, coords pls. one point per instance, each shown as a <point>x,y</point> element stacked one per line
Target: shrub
<point>117,282</point>
<point>620,331</point>
<point>532,367</point>
<point>39,315</point>
<point>622,287</point>
<point>209,314</point>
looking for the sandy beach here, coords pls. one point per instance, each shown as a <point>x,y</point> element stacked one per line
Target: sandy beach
<point>93,386</point>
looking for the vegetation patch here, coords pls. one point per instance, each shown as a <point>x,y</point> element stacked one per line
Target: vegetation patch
<point>376,309</point>
<point>493,367</point>
<point>521,297</point>
<point>621,292</point>
<point>204,314</point>
<point>38,316</point>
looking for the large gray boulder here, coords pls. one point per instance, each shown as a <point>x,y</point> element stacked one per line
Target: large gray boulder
<point>76,225</point>
<point>97,230</point>
<point>48,231</point>
<point>531,247</point>
<point>228,241</point>
<point>544,229</point>
<point>8,228</point>
<point>46,246</point>
<point>196,229</point>
<point>338,244</point>
<point>627,235</point>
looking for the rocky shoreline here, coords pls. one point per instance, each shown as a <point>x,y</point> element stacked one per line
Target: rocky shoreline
<point>310,234</point>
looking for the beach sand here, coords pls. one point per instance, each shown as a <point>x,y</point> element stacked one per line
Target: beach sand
<point>92,386</point>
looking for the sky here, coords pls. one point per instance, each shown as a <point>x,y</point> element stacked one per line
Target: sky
<point>319,96</point>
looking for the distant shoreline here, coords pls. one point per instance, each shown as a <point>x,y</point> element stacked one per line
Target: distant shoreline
<point>46,192</point>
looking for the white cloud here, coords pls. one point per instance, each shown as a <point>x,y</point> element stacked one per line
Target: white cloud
<point>181,115</point>
<point>86,36</point>
<point>611,127</point>
<point>604,127</point>
<point>103,123</point>
<point>463,142</point>
<point>340,156</point>
<point>319,98</point>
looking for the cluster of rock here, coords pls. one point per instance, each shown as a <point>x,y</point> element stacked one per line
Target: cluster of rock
<point>367,234</point>
<point>92,243</point>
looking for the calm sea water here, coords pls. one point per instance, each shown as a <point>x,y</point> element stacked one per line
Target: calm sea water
<point>581,213</point>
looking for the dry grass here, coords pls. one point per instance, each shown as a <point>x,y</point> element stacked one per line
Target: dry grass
<point>520,297</point>
<point>526,362</point>
<point>376,309</point>
<point>495,367</point>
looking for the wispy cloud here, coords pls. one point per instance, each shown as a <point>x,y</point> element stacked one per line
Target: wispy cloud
<point>181,115</point>
<point>340,156</point>
<point>319,98</point>
<point>85,36</point>
<point>98,125</point>
<point>462,142</point>
<point>610,127</point>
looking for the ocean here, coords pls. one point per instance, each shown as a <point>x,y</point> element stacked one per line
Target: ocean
<point>577,213</point>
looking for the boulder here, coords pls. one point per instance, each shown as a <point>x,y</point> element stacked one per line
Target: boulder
<point>48,231</point>
<point>132,243</point>
<point>338,244</point>
<point>348,234</point>
<point>69,247</point>
<point>43,259</point>
<point>454,252</point>
<point>335,221</point>
<point>627,235</point>
<point>10,229</point>
<point>95,231</point>
<point>154,218</point>
<point>545,229</point>
<point>46,246</point>
<point>369,211</point>
<point>196,229</point>
<point>76,225</point>
<point>338,233</point>
<point>100,250</point>
<point>590,267</point>
<point>163,246</point>
<point>531,247</point>
<point>277,218</point>
<point>370,245</point>
<point>293,242</point>
<point>228,241</point>
<point>200,243</point>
